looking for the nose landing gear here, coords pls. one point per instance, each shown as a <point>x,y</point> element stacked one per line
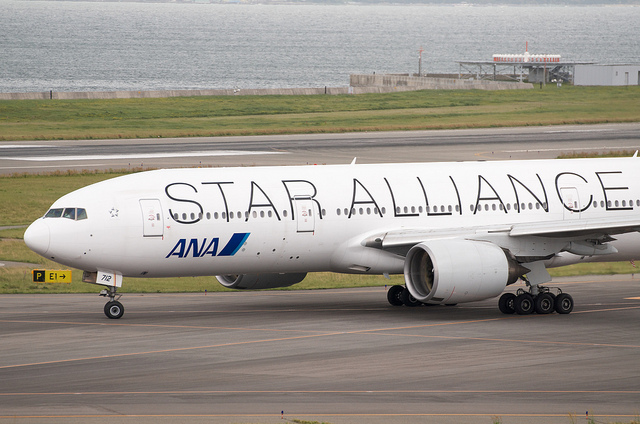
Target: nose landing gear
<point>112,309</point>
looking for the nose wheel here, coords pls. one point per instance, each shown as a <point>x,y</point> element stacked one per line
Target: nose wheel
<point>112,309</point>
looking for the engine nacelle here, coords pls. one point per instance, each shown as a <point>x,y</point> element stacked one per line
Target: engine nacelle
<point>456,271</point>
<point>260,281</point>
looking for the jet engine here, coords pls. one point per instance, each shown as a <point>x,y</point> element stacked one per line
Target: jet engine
<point>260,281</point>
<point>456,270</point>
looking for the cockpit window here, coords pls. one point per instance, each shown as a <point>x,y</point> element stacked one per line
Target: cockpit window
<point>54,213</point>
<point>75,214</point>
<point>69,213</point>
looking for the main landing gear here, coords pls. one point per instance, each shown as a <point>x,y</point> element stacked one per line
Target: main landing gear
<point>544,302</point>
<point>521,303</point>
<point>400,296</point>
<point>112,309</point>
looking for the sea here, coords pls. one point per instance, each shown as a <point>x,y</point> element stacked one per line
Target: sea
<point>106,46</point>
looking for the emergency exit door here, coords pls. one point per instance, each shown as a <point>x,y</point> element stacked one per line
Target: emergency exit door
<point>305,215</point>
<point>152,223</point>
<point>571,202</point>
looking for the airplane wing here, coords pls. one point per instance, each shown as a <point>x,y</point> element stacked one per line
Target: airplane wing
<point>573,229</point>
<point>400,241</point>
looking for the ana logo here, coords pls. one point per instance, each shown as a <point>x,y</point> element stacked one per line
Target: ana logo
<point>197,249</point>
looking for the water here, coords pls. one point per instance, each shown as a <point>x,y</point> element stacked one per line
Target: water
<point>86,46</point>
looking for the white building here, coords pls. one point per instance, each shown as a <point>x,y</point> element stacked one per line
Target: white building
<point>606,75</point>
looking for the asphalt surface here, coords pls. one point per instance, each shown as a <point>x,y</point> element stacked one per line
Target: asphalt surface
<point>339,356</point>
<point>415,146</point>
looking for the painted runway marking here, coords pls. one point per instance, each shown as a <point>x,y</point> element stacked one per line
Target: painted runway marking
<point>310,415</point>
<point>195,327</point>
<point>18,146</point>
<point>374,392</point>
<point>84,165</point>
<point>143,155</point>
<point>524,341</point>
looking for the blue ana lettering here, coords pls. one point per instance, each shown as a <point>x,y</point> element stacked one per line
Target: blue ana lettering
<point>195,248</point>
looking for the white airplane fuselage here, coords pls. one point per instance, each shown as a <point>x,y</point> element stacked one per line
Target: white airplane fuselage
<point>344,218</point>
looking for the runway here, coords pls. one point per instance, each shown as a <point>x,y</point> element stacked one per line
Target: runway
<point>338,356</point>
<point>413,146</point>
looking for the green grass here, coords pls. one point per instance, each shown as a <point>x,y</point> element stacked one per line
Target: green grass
<point>23,198</point>
<point>249,115</point>
<point>598,154</point>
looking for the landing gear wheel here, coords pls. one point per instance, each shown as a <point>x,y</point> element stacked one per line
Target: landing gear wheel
<point>506,303</point>
<point>394,295</point>
<point>408,299</point>
<point>564,303</point>
<point>114,309</point>
<point>524,304</point>
<point>544,304</point>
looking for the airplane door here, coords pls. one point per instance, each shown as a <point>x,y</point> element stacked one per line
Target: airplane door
<point>305,216</point>
<point>571,202</point>
<point>152,223</point>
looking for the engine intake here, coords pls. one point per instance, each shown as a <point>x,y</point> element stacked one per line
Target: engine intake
<point>259,281</point>
<point>456,271</point>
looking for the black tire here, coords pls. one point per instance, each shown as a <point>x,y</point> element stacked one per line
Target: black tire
<point>524,304</point>
<point>408,299</point>
<point>394,295</point>
<point>544,304</point>
<point>114,309</point>
<point>506,303</point>
<point>564,303</point>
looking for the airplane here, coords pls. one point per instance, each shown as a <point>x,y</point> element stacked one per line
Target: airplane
<point>458,231</point>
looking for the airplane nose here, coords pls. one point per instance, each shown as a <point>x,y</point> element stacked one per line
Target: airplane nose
<point>37,237</point>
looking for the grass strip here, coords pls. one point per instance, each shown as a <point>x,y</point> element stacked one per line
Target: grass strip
<point>252,115</point>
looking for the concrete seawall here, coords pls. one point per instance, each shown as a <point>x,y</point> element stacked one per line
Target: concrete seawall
<point>406,82</point>
<point>359,84</point>
<point>46,95</point>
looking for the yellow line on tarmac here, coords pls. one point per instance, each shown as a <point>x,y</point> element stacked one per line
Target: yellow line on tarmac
<point>297,415</point>
<point>375,392</point>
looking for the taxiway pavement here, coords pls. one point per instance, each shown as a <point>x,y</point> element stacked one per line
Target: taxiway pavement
<point>377,147</point>
<point>338,356</point>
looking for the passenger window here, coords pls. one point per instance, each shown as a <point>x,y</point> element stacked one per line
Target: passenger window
<point>54,213</point>
<point>69,213</point>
